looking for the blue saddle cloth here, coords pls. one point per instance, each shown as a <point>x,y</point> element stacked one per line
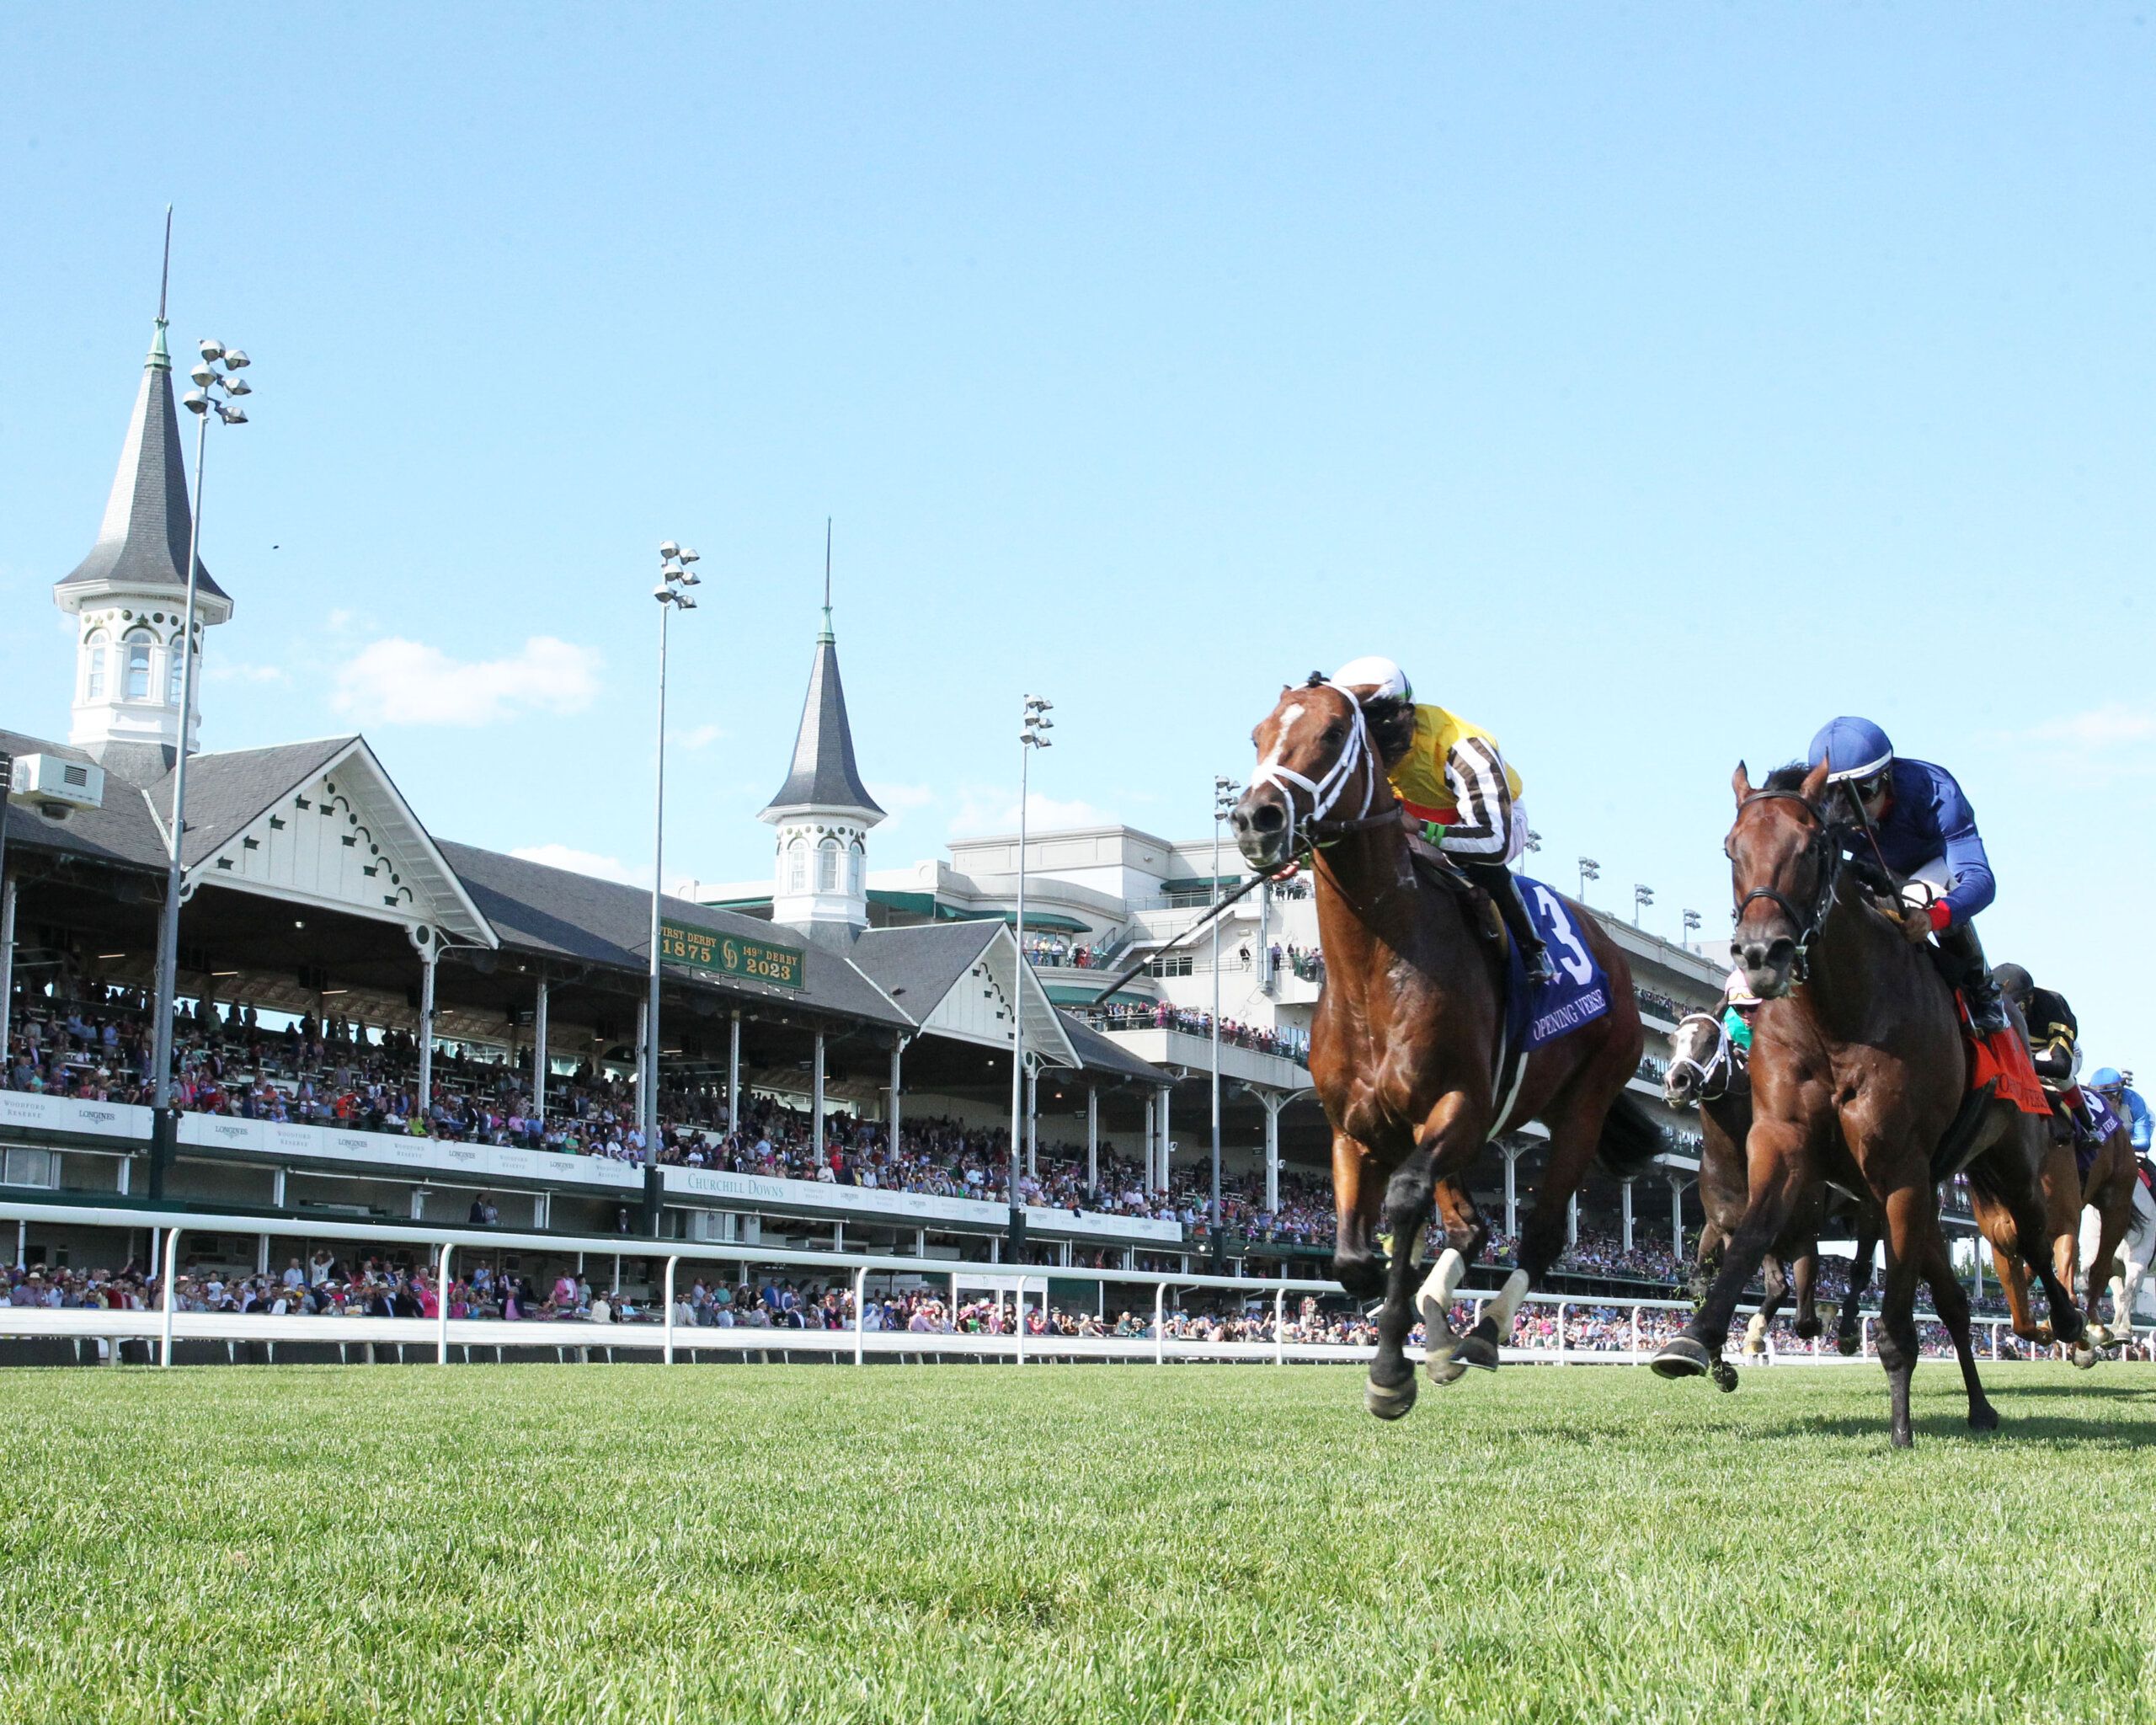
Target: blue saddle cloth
<point>1579,995</point>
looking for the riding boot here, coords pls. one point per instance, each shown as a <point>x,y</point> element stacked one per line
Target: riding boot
<point>1966,953</point>
<point>1503,886</point>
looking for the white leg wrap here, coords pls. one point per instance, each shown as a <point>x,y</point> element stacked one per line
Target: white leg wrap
<point>1434,1301</point>
<point>1506,1306</point>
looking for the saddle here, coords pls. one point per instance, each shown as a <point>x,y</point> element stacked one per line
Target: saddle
<point>1998,1066</point>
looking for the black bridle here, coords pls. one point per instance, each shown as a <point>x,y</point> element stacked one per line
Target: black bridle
<point>1824,850</point>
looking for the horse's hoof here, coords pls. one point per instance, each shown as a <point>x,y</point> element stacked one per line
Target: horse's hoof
<point>1681,1357</point>
<point>2085,1358</point>
<point>1809,1329</point>
<point>1389,1403</point>
<point>1983,1418</point>
<point>1444,1368</point>
<point>1477,1351</point>
<point>2100,1336</point>
<point>1848,1345</point>
<point>1725,1376</point>
<point>1902,1438</point>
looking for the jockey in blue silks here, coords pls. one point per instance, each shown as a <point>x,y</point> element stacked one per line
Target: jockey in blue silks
<point>2117,1089</point>
<point>1926,831</point>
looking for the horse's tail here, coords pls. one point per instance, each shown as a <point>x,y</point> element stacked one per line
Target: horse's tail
<point>1631,1140</point>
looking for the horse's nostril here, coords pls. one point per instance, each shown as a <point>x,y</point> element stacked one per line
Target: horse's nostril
<point>1269,818</point>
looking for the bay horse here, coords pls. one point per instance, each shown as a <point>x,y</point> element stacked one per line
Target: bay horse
<point>1859,1069</point>
<point>1404,1045</point>
<point>2111,1190</point>
<point>1704,1069</point>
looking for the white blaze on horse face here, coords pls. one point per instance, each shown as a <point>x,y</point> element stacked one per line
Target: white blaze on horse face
<point>1289,715</point>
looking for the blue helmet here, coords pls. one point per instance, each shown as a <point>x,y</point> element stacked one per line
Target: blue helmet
<point>2107,1078</point>
<point>1852,748</point>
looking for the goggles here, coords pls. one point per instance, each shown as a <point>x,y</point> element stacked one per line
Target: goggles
<point>1873,785</point>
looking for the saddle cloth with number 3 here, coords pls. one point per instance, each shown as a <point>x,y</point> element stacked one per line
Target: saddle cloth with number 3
<point>1581,992</point>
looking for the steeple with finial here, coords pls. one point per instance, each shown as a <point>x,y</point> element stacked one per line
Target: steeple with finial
<point>823,812</point>
<point>129,593</point>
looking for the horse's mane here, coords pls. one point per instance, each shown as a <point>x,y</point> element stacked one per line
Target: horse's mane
<point>1788,777</point>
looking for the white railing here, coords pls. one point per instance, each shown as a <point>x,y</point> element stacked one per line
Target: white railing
<point>165,1325</point>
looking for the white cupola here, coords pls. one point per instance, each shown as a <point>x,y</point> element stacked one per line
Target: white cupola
<point>130,596</point>
<point>823,812</point>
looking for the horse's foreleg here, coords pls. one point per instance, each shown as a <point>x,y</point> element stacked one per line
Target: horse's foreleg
<point>1778,1169</point>
<point>1357,1194</point>
<point>1464,1236</point>
<point>1775,1291</point>
<point>1807,1272</point>
<point>1409,1198</point>
<point>2113,1217</point>
<point>1908,1252</point>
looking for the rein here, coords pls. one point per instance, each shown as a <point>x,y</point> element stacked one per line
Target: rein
<point>1820,847</point>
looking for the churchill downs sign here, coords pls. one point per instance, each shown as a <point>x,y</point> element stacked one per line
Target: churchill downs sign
<point>729,955</point>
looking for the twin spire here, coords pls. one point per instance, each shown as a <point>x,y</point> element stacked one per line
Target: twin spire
<point>824,779</point>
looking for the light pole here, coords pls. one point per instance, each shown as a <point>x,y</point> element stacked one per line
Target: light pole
<point>1225,791</point>
<point>1533,840</point>
<point>1030,738</point>
<point>1589,870</point>
<point>1642,896</point>
<point>676,577</point>
<point>219,392</point>
<point>1691,924</point>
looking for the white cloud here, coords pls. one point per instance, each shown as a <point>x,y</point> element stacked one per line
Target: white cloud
<point>397,682</point>
<point>585,862</point>
<point>222,671</point>
<point>702,737</point>
<point>981,811</point>
<point>2104,727</point>
<point>339,619</point>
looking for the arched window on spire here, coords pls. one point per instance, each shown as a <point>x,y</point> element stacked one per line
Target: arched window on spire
<point>94,685</point>
<point>827,865</point>
<point>796,866</point>
<point>138,643</point>
<point>175,672</point>
<point>856,863</point>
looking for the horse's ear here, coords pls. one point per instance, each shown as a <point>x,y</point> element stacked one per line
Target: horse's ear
<point>1741,783</point>
<point>1815,781</point>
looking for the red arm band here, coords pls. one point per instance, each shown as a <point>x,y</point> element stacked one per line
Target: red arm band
<point>1942,916</point>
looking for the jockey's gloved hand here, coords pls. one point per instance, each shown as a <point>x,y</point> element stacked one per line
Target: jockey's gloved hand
<point>1916,925</point>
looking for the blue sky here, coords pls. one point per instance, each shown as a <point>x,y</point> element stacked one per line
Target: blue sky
<point>1654,382</point>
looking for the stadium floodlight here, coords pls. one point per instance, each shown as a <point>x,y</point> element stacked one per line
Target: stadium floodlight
<point>1533,840</point>
<point>1226,793</point>
<point>238,386</point>
<point>1691,922</point>
<point>1642,896</point>
<point>164,1125</point>
<point>1589,870</point>
<point>671,599</point>
<point>686,554</point>
<point>1029,739</point>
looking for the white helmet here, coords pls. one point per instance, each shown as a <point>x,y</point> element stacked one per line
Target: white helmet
<point>1381,679</point>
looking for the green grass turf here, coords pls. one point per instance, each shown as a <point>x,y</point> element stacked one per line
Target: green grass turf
<point>1069,1543</point>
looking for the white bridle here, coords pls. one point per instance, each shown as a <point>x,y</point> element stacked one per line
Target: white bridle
<point>1722,1059</point>
<point>1327,792</point>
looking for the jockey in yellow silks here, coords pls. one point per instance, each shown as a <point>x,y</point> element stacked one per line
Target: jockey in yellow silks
<point>1452,778</point>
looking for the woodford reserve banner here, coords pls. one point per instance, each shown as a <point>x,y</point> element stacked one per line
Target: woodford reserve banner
<point>729,955</point>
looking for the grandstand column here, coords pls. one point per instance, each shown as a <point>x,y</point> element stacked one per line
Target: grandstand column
<point>816,1130</point>
<point>539,1052</point>
<point>261,1254</point>
<point>1625,1188</point>
<point>1093,1142</point>
<point>1148,1144</point>
<point>423,938</point>
<point>1573,1219</point>
<point>1512,1189</point>
<point>891,1123</point>
<point>733,1075</point>
<point>23,1243</point>
<point>6,939</point>
<point>1163,1185</point>
<point>1273,1102</point>
<point>1033,1119</point>
<point>1677,1216</point>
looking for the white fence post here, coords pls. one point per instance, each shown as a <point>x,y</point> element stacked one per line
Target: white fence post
<point>1561,1309</point>
<point>1160,1322</point>
<point>1636,1335</point>
<point>1018,1304</point>
<point>860,1309</point>
<point>172,1277</point>
<point>1280,1322</point>
<point>667,1357</point>
<point>1864,1338</point>
<point>441,1305</point>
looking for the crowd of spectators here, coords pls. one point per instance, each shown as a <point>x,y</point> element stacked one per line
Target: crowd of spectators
<point>1284,1041</point>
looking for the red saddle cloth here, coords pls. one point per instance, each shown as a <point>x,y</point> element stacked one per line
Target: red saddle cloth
<point>2004,1056</point>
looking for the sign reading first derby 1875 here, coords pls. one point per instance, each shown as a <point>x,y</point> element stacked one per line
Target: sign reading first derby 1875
<point>729,955</point>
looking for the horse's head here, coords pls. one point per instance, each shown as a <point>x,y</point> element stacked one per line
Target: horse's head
<point>1699,1062</point>
<point>1316,762</point>
<point>1781,857</point>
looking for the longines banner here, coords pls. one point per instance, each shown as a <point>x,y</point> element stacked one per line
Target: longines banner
<point>729,955</point>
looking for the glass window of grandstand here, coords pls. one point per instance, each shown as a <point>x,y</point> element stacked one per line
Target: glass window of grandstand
<point>1175,965</point>
<point>796,866</point>
<point>138,665</point>
<point>827,865</point>
<point>94,690</point>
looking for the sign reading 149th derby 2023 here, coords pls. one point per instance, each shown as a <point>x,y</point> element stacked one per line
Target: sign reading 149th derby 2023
<point>729,955</point>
